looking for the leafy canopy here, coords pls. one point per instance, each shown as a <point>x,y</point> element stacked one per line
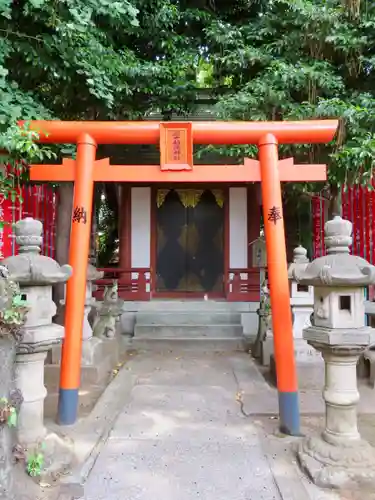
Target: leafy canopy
<point>91,59</point>
<point>267,59</point>
<point>100,58</point>
<point>302,59</point>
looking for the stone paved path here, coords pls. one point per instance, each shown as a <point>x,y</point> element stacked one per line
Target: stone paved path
<point>182,436</point>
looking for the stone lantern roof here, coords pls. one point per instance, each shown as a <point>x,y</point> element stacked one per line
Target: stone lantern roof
<point>29,268</point>
<point>338,268</point>
<point>300,260</point>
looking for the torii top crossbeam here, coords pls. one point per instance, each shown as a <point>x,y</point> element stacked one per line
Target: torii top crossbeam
<point>148,132</point>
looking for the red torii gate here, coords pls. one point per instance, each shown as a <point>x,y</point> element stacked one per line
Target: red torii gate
<point>176,146</point>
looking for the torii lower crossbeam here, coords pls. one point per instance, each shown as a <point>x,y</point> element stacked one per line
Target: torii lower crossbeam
<point>176,143</point>
<point>249,172</point>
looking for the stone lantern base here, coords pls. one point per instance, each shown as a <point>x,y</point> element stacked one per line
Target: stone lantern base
<point>343,466</point>
<point>59,456</point>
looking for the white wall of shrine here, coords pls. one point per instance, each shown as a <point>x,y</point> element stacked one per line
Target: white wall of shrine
<point>238,241</point>
<point>141,227</point>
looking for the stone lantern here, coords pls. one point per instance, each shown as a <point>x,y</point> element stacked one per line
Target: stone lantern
<point>301,301</point>
<point>338,457</point>
<point>35,275</point>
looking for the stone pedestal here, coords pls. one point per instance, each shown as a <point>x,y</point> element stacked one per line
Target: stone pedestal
<point>267,350</point>
<point>86,328</point>
<point>126,324</point>
<point>301,301</point>
<point>35,275</point>
<point>30,377</point>
<point>338,457</point>
<point>91,351</point>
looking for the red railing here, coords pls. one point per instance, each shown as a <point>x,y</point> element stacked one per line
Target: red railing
<point>243,285</point>
<point>133,284</point>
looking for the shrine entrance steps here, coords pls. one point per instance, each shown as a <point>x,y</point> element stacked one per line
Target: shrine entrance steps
<point>206,324</point>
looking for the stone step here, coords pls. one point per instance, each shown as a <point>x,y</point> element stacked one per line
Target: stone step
<point>161,344</point>
<point>187,331</point>
<point>190,306</point>
<point>188,318</point>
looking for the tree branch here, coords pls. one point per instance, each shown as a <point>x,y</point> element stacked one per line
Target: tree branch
<point>20,35</point>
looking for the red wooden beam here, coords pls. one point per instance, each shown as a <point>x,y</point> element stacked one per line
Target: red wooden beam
<point>215,132</point>
<point>249,172</point>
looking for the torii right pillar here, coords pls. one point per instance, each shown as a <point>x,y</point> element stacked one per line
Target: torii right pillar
<point>271,171</point>
<point>282,324</point>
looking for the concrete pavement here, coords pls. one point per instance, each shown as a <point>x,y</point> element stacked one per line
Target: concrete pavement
<point>181,434</point>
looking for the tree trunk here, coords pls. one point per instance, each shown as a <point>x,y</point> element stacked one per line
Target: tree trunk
<point>334,207</point>
<point>94,229</point>
<point>62,242</point>
<point>7,361</point>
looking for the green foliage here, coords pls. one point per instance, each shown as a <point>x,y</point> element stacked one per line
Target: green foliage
<point>13,308</point>
<point>267,60</point>
<point>13,418</point>
<point>15,314</point>
<point>8,414</point>
<point>303,59</point>
<point>102,59</point>
<point>35,463</point>
<point>91,59</point>
<point>107,217</point>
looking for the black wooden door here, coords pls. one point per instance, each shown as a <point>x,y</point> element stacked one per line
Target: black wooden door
<point>190,241</point>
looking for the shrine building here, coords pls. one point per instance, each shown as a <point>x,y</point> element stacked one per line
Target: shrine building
<point>186,240</point>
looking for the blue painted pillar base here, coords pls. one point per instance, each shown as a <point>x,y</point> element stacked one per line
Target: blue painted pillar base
<point>289,413</point>
<point>68,406</point>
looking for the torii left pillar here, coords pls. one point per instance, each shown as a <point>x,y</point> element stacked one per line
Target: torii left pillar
<point>70,372</point>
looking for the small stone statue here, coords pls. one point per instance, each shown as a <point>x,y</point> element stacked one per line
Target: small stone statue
<point>108,313</point>
<point>267,308</point>
<point>265,319</point>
